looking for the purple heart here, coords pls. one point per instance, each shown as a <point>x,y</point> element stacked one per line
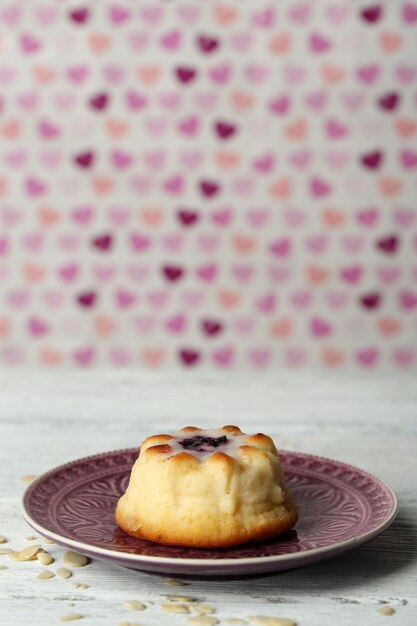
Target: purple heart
<point>409,12</point>
<point>211,327</point>
<point>173,273</point>
<point>372,14</point>
<point>185,74</point>
<point>189,356</point>
<point>99,102</point>
<point>388,244</point>
<point>135,100</point>
<point>37,326</point>
<point>209,188</point>
<point>187,217</point>
<point>368,73</point>
<point>207,43</point>
<point>85,160</point>
<point>103,243</point>
<point>224,130</point>
<point>319,43</point>
<point>371,301</point>
<point>389,101</point>
<point>372,160</point>
<point>87,299</point>
<point>79,15</point>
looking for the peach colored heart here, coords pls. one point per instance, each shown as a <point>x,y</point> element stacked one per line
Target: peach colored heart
<point>34,273</point>
<point>243,243</point>
<point>98,42</point>
<point>43,74</point>
<point>228,299</point>
<point>152,216</point>
<point>390,42</point>
<point>282,327</point>
<point>242,101</point>
<point>281,188</point>
<point>4,326</point>
<point>281,43</point>
<point>333,218</point>
<point>332,357</point>
<point>296,129</point>
<point>389,186</point>
<point>149,74</point>
<point>389,326</point>
<point>104,325</point>
<point>102,185</point>
<point>153,357</point>
<point>48,216</point>
<point>224,14</point>
<point>50,356</point>
<point>332,73</point>
<point>405,128</point>
<point>11,129</point>
<point>316,274</point>
<point>116,127</point>
<point>226,160</point>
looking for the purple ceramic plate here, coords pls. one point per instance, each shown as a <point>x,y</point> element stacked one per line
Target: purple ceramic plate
<point>340,507</point>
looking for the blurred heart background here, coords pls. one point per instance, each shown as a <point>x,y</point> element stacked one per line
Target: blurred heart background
<point>208,184</point>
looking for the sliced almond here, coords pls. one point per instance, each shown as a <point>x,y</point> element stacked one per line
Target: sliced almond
<point>2,539</point>
<point>235,620</point>
<point>28,478</point>
<point>28,554</point>
<point>264,620</point>
<point>128,624</point>
<point>386,610</point>
<point>74,559</point>
<point>5,551</point>
<point>45,574</point>
<point>48,540</point>
<point>3,567</point>
<point>31,538</point>
<point>63,572</point>
<point>80,586</point>
<point>44,558</point>
<point>202,621</point>
<point>174,582</point>
<point>70,618</point>
<point>174,608</point>
<point>134,605</point>
<point>203,609</point>
<point>181,599</point>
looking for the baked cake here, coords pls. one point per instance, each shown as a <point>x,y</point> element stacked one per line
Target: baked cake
<point>207,489</point>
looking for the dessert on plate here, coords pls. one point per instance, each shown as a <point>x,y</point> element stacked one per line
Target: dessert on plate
<point>206,489</point>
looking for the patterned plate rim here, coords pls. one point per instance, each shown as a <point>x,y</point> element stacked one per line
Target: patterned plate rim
<point>138,558</point>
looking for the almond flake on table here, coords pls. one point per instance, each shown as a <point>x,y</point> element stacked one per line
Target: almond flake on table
<point>202,620</point>
<point>235,620</point>
<point>74,559</point>
<point>44,558</point>
<point>48,540</point>
<point>31,538</point>
<point>203,609</point>
<point>44,575</point>
<point>80,586</point>
<point>27,554</point>
<point>174,582</point>
<point>134,605</point>
<point>386,610</point>
<point>264,620</point>
<point>174,608</point>
<point>128,624</point>
<point>63,572</point>
<point>2,539</point>
<point>28,478</point>
<point>5,551</point>
<point>71,617</point>
<point>3,567</point>
<point>177,598</point>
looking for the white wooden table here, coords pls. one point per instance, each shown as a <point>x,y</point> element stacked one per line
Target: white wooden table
<point>49,418</point>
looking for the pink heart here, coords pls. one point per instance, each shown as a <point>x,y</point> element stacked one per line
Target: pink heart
<point>193,298</point>
<point>338,13</point>
<point>10,15</point>
<point>84,356</point>
<point>13,356</point>
<point>280,104</point>
<point>281,247</point>
<point>208,242</point>
<point>241,41</point>
<point>222,217</point>
<point>176,324</point>
<point>124,299</point>
<point>278,273</point>
<point>316,100</point>
<point>243,185</point>
<point>15,158</point>
<point>138,40</point>
<point>28,101</point>
<point>153,13</point>
<point>353,243</point>
<point>46,15</point>
<point>264,17</point>
<point>368,74</point>
<point>294,357</point>
<point>191,158</point>
<point>207,273</point>
<point>19,298</point>
<point>319,187</point>
<point>388,275</point>
<point>118,14</point>
<point>137,273</point>
<point>7,74</point>
<point>244,325</point>
<point>103,272</point>
<point>34,242</point>
<point>317,243</point>
<point>319,43</point>
<point>293,73</point>
<point>206,100</point>
<point>320,327</point>
<point>171,101</point>
<point>337,159</point>
<point>335,129</point>
<point>409,12</point>
<point>135,101</point>
<point>353,100</point>
<point>266,303</point>
<point>408,159</point>
<point>69,241</point>
<point>155,159</point>
<point>68,272</point>
<point>10,216</point>
<point>173,242</point>
<point>156,126</point>
<point>351,274</point>
<point>47,129</point>
<point>114,74</point>
<point>258,216</point>
<point>171,40</point>
<point>83,215</point>
<point>223,356</point>
<point>118,215</point>
<point>367,357</point>
<point>259,357</point>
<point>189,126</point>
<point>300,13</point>
<point>29,43</point>
<point>405,73</point>
<point>403,357</point>
<point>174,185</point>
<point>53,298</point>
<point>301,299</point>
<point>189,13</point>
<point>301,159</point>
<point>158,298</point>
<point>52,159</point>
<point>404,217</point>
<point>120,356</point>
<point>142,184</point>
<point>243,273</point>
<point>64,101</point>
<point>368,217</point>
<point>121,159</point>
<point>265,163</point>
<point>220,73</point>
<point>408,300</point>
<point>34,186</point>
<point>256,73</point>
<point>144,324</point>
<point>336,300</point>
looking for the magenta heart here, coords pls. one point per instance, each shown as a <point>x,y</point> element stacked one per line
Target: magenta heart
<point>408,300</point>
<point>34,186</point>
<point>189,356</point>
<point>158,298</point>
<point>388,244</point>
<point>243,273</point>
<point>371,300</point>
<point>409,12</point>
<point>368,217</point>
<point>389,101</point>
<point>372,14</point>
<point>294,357</point>
<point>335,129</point>
<point>367,357</point>
<point>124,299</point>
<point>207,273</point>
<point>211,327</point>
<point>118,14</point>
<point>171,40</point>
<point>222,217</point>
<point>84,356</point>
<point>259,357</point>
<point>319,43</point>
<point>85,160</point>
<point>301,299</point>
<point>209,188</point>
<point>48,130</point>
<point>207,44</point>
<point>220,73</point>
<point>224,129</point>
<point>244,325</point>
<point>121,159</point>
<point>103,243</point>
<point>68,272</point>
<point>100,101</point>
<point>266,303</point>
<point>278,274</point>
<point>135,101</point>
<point>404,217</point>
<point>320,327</point>
<point>174,185</point>
<point>189,126</point>
<point>83,215</point>
<point>223,356</point>
<point>176,324</point>
<point>173,273</point>
<point>187,217</point>
<point>351,274</point>
<point>185,74</point>
<point>372,160</point>
<point>316,100</point>
<point>281,247</point>
<point>79,15</point>
<point>19,298</point>
<point>280,105</point>
<point>319,187</point>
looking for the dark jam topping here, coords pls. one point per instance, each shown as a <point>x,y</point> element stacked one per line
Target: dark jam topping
<point>203,444</point>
